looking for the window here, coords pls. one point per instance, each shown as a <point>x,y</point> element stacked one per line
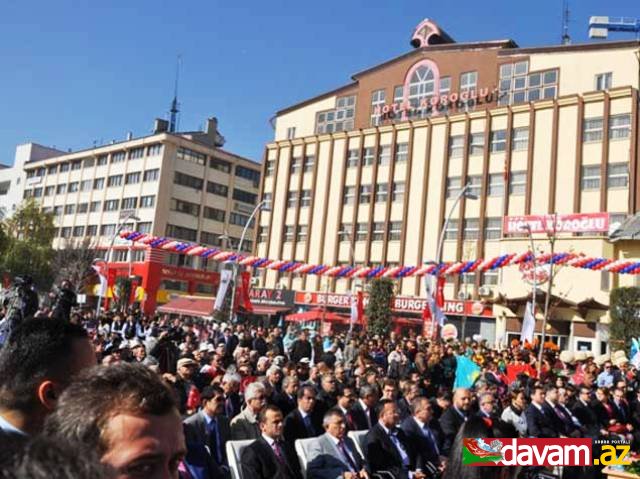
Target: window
<point>132,178</point>
<point>78,231</point>
<point>289,232</point>
<point>69,209</point>
<point>362,231</point>
<point>445,85</point>
<point>339,119</point>
<point>308,163</point>
<point>349,195</point>
<point>382,192</point>
<point>89,162</point>
<point>468,81</point>
<point>368,157</point>
<point>520,139</point>
<point>188,180</point>
<point>180,232</point>
<point>421,87</point>
<point>451,233</point>
<point>295,166</point>
<point>402,152</point>
<point>592,130</point>
<point>302,232</point>
<point>517,85</point>
<point>353,158</point>
<point>604,81</point>
<point>244,196</point>
<point>57,211</point>
<point>271,168</point>
<point>489,278</point>
<point>492,228</point>
<point>76,165</point>
<point>378,231</point>
<point>65,232</point>
<point>37,192</point>
<point>129,203</point>
<point>453,186</point>
<point>73,187</point>
<point>94,206</point>
<point>61,189</point>
<point>147,201</point>
<point>191,156</point>
<point>151,175</point>
<point>345,232</point>
<point>619,126</point>
<point>471,230</point>
<point>64,167</point>
<point>263,234</point>
<point>52,170</point>
<point>395,231</point>
<point>496,185</point>
<point>518,183</point>
<point>475,183</point>
<point>107,230</point>
<point>398,192</point>
<point>92,230</point>
<point>220,165</point>
<point>365,194</point>
<point>456,146</point>
<point>83,207</point>
<point>240,220</point>
<point>384,155</point>
<point>267,198</point>
<point>86,185</point>
<point>98,183</point>
<point>217,189</point>
<point>590,177</point>
<point>305,198</point>
<point>118,157</point>
<point>476,144</point>
<point>248,174</point>
<point>291,132</point>
<point>102,160</point>
<point>114,180</point>
<point>618,175</point>
<point>377,102</point>
<point>49,190</point>
<point>154,150</point>
<point>605,280</point>
<point>136,153</point>
<point>292,199</point>
<point>208,238</point>
<point>214,214</point>
<point>110,205</point>
<point>27,193</point>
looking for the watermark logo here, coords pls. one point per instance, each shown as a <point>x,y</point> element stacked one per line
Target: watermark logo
<point>542,452</point>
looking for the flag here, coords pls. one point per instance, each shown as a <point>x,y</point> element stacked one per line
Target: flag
<point>466,372</point>
<point>440,291</point>
<point>635,352</point>
<point>242,292</point>
<point>528,324</point>
<point>357,308</point>
<point>435,312</point>
<point>102,291</point>
<point>225,280</point>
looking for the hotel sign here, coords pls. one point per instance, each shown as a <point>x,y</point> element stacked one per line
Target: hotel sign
<point>570,223</point>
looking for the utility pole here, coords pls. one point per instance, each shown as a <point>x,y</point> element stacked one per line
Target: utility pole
<point>552,241</point>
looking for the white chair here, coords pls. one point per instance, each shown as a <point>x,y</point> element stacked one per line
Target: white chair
<point>302,450</point>
<point>234,452</point>
<point>358,438</point>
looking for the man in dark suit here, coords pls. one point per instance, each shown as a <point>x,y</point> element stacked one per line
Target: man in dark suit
<point>268,457</point>
<point>363,411</point>
<point>327,395</point>
<point>302,422</point>
<point>301,348</point>
<point>540,423</point>
<point>388,449</point>
<point>454,417</point>
<point>346,398</point>
<point>334,454</point>
<point>584,412</point>
<point>419,429</point>
<point>206,433</point>
<point>286,399</point>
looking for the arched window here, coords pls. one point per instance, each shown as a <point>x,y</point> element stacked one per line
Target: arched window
<point>421,83</point>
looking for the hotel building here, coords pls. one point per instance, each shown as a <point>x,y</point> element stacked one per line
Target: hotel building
<point>367,173</point>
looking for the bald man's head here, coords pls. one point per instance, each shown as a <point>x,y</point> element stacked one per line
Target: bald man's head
<point>462,399</point>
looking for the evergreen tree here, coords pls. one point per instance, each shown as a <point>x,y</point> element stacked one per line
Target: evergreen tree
<point>379,306</point>
<point>624,311</point>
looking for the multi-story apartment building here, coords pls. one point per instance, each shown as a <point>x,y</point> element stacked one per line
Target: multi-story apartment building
<point>366,174</point>
<point>178,185</point>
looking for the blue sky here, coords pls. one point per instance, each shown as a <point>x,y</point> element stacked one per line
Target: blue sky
<point>76,72</point>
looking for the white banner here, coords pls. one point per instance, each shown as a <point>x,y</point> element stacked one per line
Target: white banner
<point>225,280</point>
<point>528,325</point>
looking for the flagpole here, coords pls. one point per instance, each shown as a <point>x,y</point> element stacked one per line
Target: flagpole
<point>534,288</point>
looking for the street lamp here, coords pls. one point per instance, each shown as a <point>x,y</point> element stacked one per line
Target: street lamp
<point>262,206</point>
<point>465,192</point>
<point>130,216</point>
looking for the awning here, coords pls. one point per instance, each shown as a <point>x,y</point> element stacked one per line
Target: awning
<point>264,310</point>
<point>189,306</point>
<point>318,314</point>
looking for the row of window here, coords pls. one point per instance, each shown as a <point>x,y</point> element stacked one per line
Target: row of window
<point>193,156</point>
<point>518,85</point>
<point>471,229</point>
<point>378,193</point>
<point>95,230</point>
<point>617,176</point>
<point>108,205</point>
<point>215,188</point>
<point>619,128</point>
<point>338,119</point>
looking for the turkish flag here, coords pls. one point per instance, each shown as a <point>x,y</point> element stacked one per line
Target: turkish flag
<point>440,291</point>
<point>242,292</point>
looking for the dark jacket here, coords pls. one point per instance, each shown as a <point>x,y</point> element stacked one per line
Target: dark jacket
<point>541,424</point>
<point>258,461</point>
<point>294,427</point>
<point>359,417</point>
<point>300,349</point>
<point>587,417</point>
<point>284,402</point>
<point>383,454</point>
<point>450,422</point>
<point>426,449</point>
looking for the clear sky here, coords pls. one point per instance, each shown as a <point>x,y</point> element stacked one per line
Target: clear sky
<point>75,72</point>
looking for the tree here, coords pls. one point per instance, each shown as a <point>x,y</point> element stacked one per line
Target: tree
<point>73,262</point>
<point>624,310</point>
<point>379,307</point>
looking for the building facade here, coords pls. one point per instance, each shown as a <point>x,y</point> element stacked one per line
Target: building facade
<point>178,185</point>
<point>367,174</point>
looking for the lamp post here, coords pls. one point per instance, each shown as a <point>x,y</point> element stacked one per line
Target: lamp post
<point>466,193</point>
<point>262,206</point>
<point>130,216</point>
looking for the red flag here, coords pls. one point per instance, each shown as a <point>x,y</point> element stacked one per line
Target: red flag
<point>242,292</point>
<point>426,322</point>
<point>357,308</point>
<point>193,399</point>
<point>440,291</point>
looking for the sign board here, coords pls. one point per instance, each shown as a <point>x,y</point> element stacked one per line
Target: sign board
<point>570,223</point>
<point>272,297</point>
<point>541,272</point>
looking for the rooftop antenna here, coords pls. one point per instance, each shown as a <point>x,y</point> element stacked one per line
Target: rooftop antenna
<point>566,39</point>
<point>174,104</point>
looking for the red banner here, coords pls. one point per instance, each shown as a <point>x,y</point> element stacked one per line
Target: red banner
<point>242,292</point>
<point>570,223</point>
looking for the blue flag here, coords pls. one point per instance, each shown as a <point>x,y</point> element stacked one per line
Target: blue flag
<point>466,372</point>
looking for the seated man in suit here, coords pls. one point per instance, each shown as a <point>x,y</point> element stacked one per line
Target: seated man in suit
<point>245,425</point>
<point>583,411</point>
<point>206,433</point>
<point>422,433</point>
<point>302,423</point>
<point>346,398</point>
<point>334,454</point>
<point>388,448</point>
<point>540,423</point>
<point>268,457</point>
<point>286,398</point>
<point>454,417</point>
<point>363,411</point>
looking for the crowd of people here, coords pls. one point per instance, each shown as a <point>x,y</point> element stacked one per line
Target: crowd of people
<point>130,396</point>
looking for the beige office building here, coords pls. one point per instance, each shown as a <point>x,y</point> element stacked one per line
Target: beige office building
<point>376,164</point>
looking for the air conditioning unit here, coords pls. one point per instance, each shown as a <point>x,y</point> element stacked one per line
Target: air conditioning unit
<point>485,291</point>
<point>463,295</point>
